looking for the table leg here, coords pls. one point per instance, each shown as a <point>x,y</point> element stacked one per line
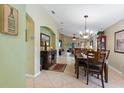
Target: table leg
<point>106,72</point>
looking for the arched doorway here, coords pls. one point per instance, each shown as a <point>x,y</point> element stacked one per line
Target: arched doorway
<point>47,31</point>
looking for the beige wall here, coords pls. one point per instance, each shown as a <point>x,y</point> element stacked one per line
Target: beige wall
<point>116,60</point>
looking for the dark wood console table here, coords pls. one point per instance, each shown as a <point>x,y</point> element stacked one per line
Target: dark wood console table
<point>47,58</point>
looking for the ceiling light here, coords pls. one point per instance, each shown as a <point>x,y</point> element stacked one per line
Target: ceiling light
<point>80,33</point>
<point>74,38</point>
<point>91,32</point>
<point>87,34</point>
<point>87,30</point>
<point>52,11</point>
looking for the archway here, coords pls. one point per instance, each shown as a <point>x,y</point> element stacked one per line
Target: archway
<point>49,32</point>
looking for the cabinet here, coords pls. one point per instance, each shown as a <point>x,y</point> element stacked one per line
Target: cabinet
<point>101,42</point>
<point>47,58</point>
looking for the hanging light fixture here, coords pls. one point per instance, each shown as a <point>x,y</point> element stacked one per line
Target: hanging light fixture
<point>87,33</point>
<point>74,38</point>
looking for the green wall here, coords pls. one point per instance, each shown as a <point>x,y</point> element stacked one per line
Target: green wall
<point>50,33</point>
<point>12,55</point>
<point>30,45</point>
<point>68,45</point>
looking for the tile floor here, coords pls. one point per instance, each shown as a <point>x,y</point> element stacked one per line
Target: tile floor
<point>67,79</point>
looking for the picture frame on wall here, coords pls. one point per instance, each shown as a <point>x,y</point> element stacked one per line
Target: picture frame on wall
<point>9,20</point>
<point>119,42</point>
<point>60,43</point>
<point>44,38</point>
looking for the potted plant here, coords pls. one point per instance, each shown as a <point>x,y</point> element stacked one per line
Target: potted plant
<point>100,33</point>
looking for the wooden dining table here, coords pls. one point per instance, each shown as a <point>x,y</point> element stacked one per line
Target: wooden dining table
<point>84,57</point>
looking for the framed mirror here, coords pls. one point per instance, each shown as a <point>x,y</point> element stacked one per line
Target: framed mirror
<point>43,38</point>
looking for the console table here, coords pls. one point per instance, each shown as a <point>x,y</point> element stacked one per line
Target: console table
<point>47,58</point>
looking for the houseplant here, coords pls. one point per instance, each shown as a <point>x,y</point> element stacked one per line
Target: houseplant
<point>100,33</point>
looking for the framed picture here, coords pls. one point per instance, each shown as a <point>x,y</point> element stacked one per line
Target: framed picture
<point>119,42</point>
<point>60,43</point>
<point>43,38</point>
<point>9,19</point>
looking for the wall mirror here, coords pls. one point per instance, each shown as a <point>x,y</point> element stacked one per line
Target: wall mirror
<point>43,38</point>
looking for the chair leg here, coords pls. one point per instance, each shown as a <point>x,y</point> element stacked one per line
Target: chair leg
<point>77,71</point>
<point>102,80</point>
<point>97,76</point>
<point>85,71</point>
<point>87,76</point>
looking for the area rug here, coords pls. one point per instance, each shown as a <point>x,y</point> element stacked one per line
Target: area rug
<point>58,67</point>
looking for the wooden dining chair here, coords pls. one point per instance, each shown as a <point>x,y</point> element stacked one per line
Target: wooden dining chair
<point>79,62</point>
<point>95,64</point>
<point>107,52</point>
<point>76,51</point>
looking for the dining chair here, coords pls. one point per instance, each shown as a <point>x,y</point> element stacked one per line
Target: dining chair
<point>95,64</point>
<point>76,51</point>
<point>79,62</point>
<point>107,52</point>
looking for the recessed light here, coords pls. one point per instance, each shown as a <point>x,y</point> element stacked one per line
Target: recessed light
<point>52,11</point>
<point>61,23</point>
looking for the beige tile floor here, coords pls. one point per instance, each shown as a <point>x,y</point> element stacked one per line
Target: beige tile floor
<point>67,79</point>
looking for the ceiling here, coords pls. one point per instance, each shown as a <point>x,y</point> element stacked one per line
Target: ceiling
<point>70,17</point>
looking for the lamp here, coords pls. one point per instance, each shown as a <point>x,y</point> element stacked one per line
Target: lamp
<point>87,33</point>
<point>74,38</point>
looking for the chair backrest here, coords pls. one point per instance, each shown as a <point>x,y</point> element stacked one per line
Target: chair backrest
<point>76,56</point>
<point>92,56</point>
<point>95,57</point>
<point>76,50</point>
<point>107,52</point>
<point>80,50</point>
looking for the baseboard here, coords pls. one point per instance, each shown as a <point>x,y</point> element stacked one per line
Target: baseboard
<point>33,76</point>
<point>115,70</point>
<point>29,75</point>
<point>37,74</point>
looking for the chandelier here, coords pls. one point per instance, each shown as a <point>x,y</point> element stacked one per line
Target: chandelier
<point>87,34</point>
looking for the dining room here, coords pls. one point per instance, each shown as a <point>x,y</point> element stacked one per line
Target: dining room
<point>90,47</point>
